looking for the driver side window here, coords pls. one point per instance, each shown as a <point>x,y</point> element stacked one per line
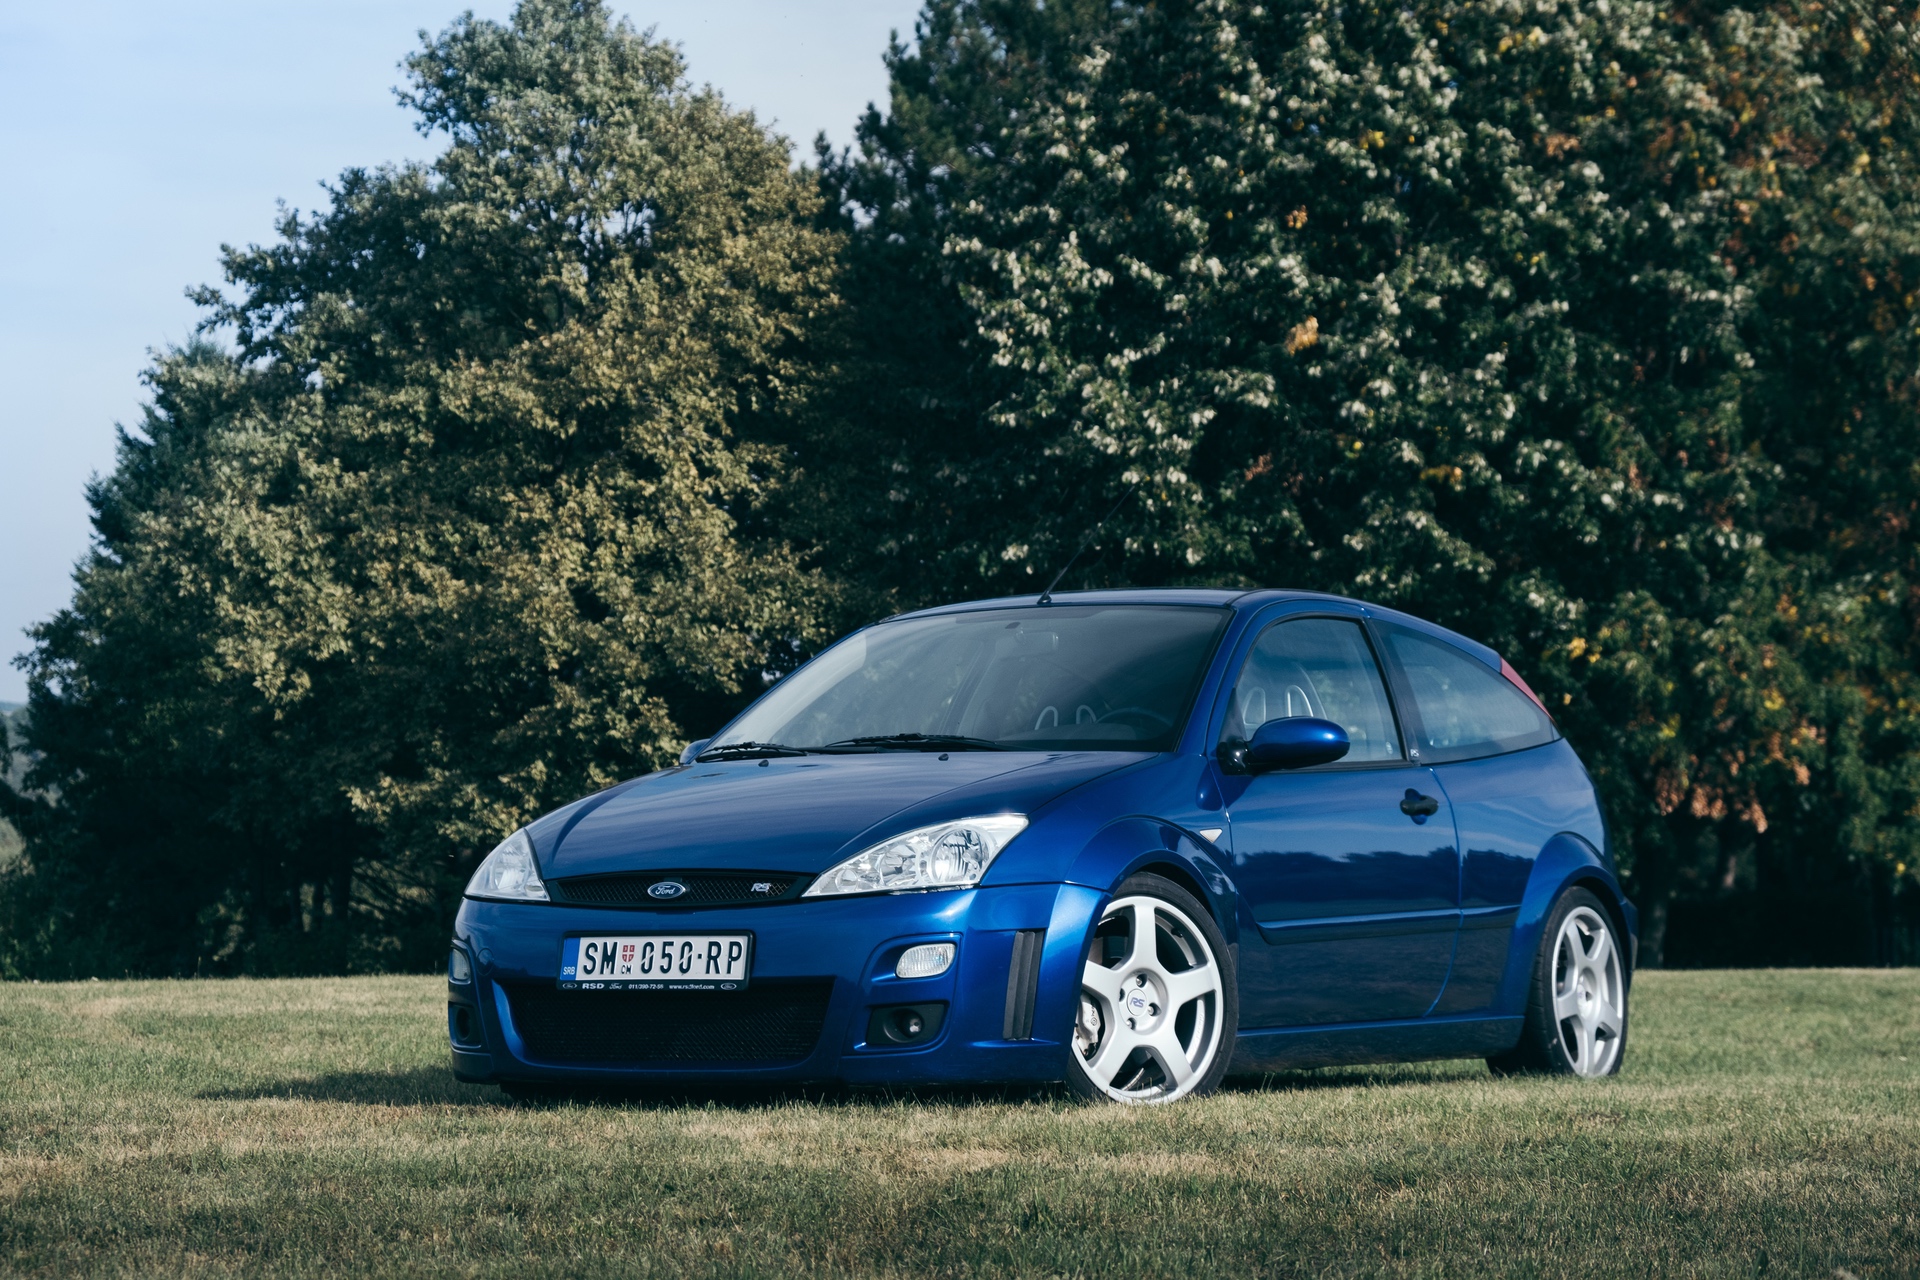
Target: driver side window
<point>1320,667</point>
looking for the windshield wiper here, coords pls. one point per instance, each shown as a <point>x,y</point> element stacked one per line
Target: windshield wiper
<point>749,750</point>
<point>917,742</point>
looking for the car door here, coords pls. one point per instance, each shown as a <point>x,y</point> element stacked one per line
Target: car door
<point>1350,868</point>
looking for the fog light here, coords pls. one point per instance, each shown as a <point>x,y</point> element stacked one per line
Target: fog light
<point>904,1026</point>
<point>927,960</point>
<point>459,968</point>
<point>463,1024</point>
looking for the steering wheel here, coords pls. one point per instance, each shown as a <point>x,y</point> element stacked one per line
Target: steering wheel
<point>1137,713</point>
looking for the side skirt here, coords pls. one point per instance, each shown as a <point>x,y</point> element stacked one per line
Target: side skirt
<point>1289,1048</point>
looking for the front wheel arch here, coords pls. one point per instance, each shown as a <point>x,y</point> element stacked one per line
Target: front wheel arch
<point>1140,844</point>
<point>1170,870</point>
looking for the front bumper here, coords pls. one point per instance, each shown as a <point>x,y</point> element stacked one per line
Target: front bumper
<point>1005,1016</point>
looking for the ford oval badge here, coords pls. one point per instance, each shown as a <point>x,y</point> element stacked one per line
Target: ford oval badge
<point>666,889</point>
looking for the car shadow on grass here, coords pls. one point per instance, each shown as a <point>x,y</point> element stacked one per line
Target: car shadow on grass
<point>418,1087</point>
<point>744,1097</point>
<point>1384,1075</point>
<point>436,1087</point>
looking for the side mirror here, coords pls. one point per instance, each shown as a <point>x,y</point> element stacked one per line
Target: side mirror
<point>693,749</point>
<point>1297,742</point>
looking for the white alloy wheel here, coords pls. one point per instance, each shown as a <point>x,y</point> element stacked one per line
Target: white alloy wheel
<point>1151,1003</point>
<point>1589,993</point>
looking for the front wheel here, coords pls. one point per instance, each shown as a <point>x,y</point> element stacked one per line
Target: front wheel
<point>1158,1005</point>
<point>1576,1023</point>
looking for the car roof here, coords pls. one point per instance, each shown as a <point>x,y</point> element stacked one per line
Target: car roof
<point>1215,597</point>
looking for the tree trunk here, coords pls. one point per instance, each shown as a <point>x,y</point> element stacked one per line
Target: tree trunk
<point>1653,928</point>
<point>342,894</point>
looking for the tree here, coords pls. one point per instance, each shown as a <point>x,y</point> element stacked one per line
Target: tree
<point>1829,245</point>
<point>455,534</point>
<point>896,459</point>
<point>1453,306</point>
<point>1587,327</point>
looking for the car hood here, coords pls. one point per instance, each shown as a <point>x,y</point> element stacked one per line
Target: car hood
<point>797,814</point>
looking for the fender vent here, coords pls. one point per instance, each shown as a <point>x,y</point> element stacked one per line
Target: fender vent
<point>1023,984</point>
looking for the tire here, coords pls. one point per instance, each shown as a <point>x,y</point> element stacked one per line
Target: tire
<point>1153,1027</point>
<point>1576,1017</point>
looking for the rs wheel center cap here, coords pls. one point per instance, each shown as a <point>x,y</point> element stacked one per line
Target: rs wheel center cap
<point>1142,1002</point>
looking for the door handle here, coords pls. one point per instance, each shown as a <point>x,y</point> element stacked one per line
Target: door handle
<point>1417,806</point>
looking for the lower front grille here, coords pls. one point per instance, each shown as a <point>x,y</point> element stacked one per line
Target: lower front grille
<point>769,1022</point>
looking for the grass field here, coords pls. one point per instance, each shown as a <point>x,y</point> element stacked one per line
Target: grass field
<point>1767,1123</point>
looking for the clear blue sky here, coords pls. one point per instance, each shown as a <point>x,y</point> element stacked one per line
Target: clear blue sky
<point>136,138</point>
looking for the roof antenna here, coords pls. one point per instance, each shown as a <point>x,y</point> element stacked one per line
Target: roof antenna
<point>1046,597</point>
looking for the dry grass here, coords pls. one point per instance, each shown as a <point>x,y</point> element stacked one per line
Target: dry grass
<point>1767,1123</point>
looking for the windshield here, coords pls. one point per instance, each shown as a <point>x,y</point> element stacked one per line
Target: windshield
<point>1072,678</point>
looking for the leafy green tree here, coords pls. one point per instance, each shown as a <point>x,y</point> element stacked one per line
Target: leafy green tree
<point>1587,327</point>
<point>898,459</point>
<point>9,770</point>
<point>1454,306</point>
<point>457,533</point>
<point>1829,242</point>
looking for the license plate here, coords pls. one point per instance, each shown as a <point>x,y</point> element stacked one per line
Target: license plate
<point>656,962</point>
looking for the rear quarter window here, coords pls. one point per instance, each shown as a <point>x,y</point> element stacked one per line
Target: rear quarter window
<point>1465,709</point>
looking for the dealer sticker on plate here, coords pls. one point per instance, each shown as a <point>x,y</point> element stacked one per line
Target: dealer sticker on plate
<point>656,962</point>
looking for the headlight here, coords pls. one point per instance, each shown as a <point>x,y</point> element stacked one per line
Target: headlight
<point>509,873</point>
<point>949,855</point>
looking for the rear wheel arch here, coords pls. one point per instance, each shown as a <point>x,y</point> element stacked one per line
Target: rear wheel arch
<point>1566,861</point>
<point>1610,898</point>
<point>1576,1016</point>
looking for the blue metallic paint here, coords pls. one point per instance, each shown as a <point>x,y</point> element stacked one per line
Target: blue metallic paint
<point>1296,743</point>
<point>1506,811</point>
<point>715,815</point>
<point>1460,906</point>
<point>1357,901</point>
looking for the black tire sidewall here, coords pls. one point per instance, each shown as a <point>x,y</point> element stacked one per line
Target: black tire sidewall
<point>1147,884</point>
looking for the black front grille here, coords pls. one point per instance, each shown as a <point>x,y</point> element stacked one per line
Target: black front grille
<point>701,888</point>
<point>775,1021</point>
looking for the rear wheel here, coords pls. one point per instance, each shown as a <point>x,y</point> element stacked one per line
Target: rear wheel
<point>1158,1004</point>
<point>1576,1023</point>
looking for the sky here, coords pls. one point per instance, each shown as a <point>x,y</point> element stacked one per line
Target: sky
<point>137,138</point>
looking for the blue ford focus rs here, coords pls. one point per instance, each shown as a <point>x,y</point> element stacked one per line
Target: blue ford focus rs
<point>1129,840</point>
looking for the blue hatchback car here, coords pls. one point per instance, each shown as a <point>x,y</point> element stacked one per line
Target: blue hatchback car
<point>1132,840</point>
